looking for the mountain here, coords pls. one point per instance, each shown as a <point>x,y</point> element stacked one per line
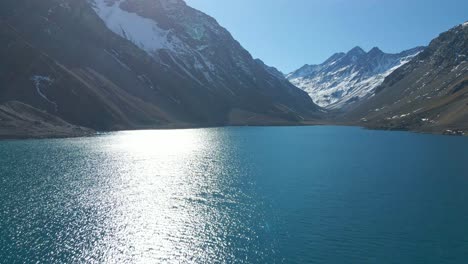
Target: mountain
<point>428,94</point>
<point>128,64</point>
<point>19,121</point>
<point>346,78</point>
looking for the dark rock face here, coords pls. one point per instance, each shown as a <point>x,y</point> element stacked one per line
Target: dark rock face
<point>430,93</point>
<point>66,57</point>
<point>348,78</point>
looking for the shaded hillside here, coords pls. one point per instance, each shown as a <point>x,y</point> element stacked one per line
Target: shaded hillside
<point>18,120</point>
<point>79,95</point>
<point>62,56</point>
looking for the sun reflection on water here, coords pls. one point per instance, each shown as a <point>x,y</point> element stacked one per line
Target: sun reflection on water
<point>171,197</point>
<point>166,142</point>
<point>165,196</point>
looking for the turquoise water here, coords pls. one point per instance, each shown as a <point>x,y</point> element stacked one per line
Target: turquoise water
<point>236,195</point>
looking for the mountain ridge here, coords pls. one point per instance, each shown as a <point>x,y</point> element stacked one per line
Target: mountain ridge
<point>346,78</point>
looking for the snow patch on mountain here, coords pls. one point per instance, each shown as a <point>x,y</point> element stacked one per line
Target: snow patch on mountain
<point>150,37</point>
<point>143,32</point>
<point>348,77</point>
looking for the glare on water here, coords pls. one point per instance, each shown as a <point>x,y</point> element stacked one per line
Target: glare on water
<point>162,195</point>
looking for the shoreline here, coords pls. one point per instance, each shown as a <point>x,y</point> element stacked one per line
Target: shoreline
<point>6,137</point>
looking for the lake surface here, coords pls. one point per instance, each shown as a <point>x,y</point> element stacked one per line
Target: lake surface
<point>236,195</point>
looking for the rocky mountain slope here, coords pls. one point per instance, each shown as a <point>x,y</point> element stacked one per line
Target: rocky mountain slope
<point>428,94</point>
<point>125,64</point>
<point>18,120</point>
<point>347,78</point>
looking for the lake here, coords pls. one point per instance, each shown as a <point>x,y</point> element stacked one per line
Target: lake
<point>236,195</point>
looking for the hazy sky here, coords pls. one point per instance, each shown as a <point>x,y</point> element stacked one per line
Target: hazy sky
<point>290,33</point>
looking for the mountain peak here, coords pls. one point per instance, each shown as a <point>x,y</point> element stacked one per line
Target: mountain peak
<point>375,51</point>
<point>356,51</point>
<point>347,78</point>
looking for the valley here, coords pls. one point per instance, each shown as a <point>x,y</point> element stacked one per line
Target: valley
<point>124,65</point>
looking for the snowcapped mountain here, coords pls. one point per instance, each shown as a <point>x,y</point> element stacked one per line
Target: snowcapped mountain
<point>193,44</point>
<point>349,77</point>
<point>123,64</point>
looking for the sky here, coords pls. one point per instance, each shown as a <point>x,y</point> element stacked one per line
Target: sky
<point>290,33</point>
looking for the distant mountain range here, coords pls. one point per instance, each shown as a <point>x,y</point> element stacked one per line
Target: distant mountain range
<point>347,78</point>
<point>70,67</point>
